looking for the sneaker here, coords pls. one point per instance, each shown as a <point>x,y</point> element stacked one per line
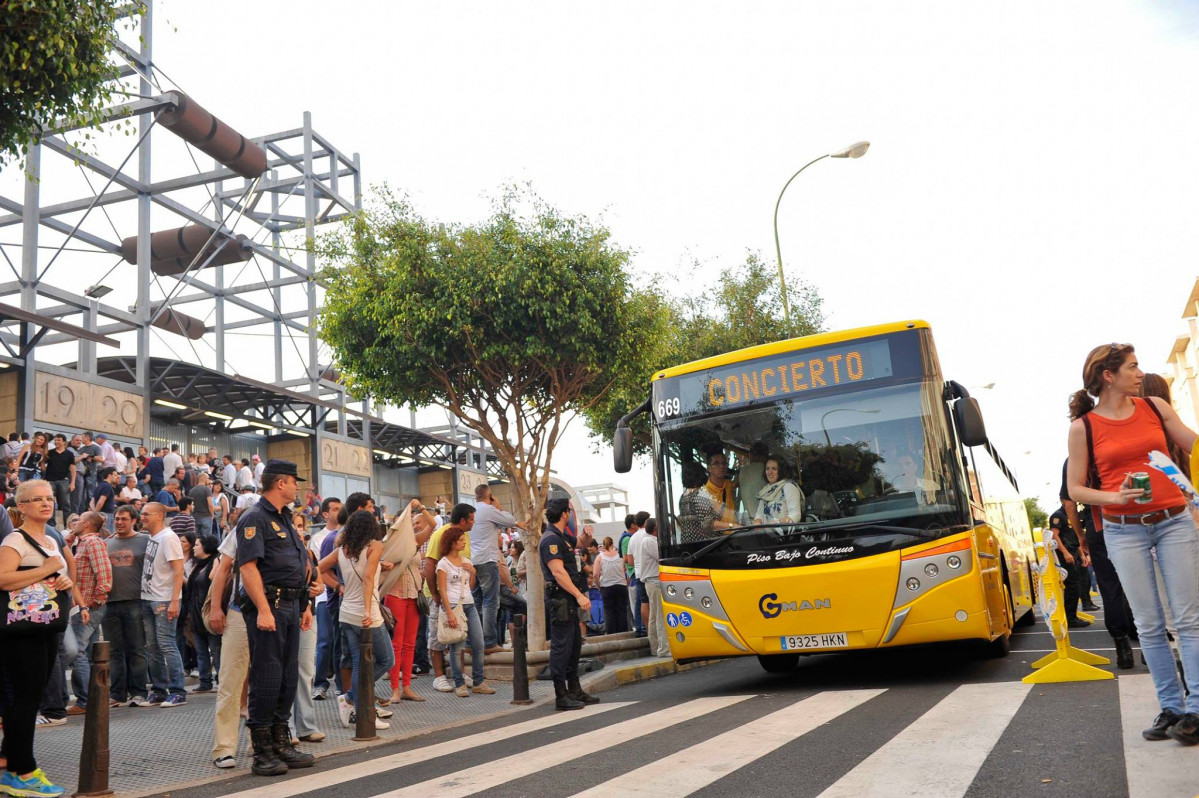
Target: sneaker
<point>442,684</point>
<point>199,688</point>
<point>320,694</point>
<point>379,722</point>
<point>36,786</point>
<point>1186,730</point>
<point>152,700</point>
<point>483,688</point>
<point>462,692</point>
<point>315,737</point>
<point>383,713</point>
<point>43,721</point>
<point>174,701</point>
<point>345,712</point>
<point>225,762</point>
<point>1161,725</point>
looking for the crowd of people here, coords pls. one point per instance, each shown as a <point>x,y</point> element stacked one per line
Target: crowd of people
<point>159,567</point>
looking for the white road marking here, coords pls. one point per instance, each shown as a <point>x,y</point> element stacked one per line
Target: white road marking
<point>696,767</point>
<point>480,778</point>
<point>1161,769</point>
<point>939,754</point>
<point>318,779</point>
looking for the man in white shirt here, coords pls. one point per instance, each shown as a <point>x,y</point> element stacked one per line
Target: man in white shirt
<point>247,499</point>
<point>229,475</point>
<point>172,461</point>
<point>259,467</point>
<point>162,586</point>
<point>644,547</point>
<point>245,476</point>
<point>490,519</point>
<point>107,451</point>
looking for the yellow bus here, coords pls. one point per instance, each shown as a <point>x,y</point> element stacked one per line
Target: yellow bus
<point>827,493</point>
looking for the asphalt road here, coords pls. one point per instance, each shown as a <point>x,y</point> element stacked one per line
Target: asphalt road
<point>936,721</point>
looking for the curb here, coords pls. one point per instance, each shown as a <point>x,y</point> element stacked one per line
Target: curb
<point>612,677</point>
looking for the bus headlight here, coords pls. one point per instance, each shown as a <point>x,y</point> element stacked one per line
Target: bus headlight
<point>954,561</point>
<point>670,591</point>
<point>688,592</point>
<point>931,569</point>
<point>706,603</point>
<point>913,584</point>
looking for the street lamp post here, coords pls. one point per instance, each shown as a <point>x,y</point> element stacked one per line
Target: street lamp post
<point>852,151</point>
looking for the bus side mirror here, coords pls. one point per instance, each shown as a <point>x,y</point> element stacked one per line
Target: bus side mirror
<point>622,450</point>
<point>968,418</point>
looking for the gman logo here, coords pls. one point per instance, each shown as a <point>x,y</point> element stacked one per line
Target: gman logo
<point>771,607</point>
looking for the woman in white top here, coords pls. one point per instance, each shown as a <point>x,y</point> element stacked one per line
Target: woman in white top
<point>614,588</point>
<point>358,560</point>
<point>455,578</point>
<point>780,501</point>
<point>26,660</point>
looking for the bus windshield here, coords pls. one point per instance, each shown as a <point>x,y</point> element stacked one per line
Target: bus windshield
<point>863,458</point>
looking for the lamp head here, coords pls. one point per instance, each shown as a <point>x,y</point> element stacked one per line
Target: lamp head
<point>852,151</point>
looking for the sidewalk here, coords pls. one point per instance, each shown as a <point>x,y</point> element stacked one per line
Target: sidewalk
<point>155,750</point>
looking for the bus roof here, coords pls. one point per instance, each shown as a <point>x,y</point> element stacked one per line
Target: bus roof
<point>790,345</point>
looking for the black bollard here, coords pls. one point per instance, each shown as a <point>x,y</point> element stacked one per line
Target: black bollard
<point>364,691</point>
<point>93,756</point>
<point>520,667</point>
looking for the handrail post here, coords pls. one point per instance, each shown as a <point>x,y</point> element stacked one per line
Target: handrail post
<point>94,753</point>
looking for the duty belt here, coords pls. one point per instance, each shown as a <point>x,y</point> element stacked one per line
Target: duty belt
<point>284,593</point>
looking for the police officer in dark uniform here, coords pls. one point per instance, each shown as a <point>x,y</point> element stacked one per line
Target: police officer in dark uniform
<point>565,594</point>
<point>1070,557</point>
<point>275,573</point>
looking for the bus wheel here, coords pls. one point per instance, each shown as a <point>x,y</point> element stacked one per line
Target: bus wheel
<point>1029,618</point>
<point>779,663</point>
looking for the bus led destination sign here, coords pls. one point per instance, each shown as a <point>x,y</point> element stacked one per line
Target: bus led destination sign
<point>769,379</point>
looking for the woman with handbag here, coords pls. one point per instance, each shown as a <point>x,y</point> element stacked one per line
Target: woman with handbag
<point>36,590</point>
<point>459,619</point>
<point>208,646</point>
<point>401,601</point>
<point>358,558</point>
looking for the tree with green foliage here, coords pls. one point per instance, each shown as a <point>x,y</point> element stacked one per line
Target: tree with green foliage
<point>1036,516</point>
<point>53,66</point>
<point>743,308</point>
<point>512,325</point>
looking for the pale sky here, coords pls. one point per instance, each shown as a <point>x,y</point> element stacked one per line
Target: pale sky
<point>1029,190</point>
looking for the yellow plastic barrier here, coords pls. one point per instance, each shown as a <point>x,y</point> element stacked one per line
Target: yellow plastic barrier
<point>1067,663</point>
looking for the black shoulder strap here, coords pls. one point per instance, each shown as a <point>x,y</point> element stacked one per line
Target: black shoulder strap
<point>34,543</point>
<point>1092,470</point>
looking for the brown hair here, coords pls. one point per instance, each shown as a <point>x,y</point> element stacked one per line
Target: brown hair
<point>1109,357</point>
<point>448,539</point>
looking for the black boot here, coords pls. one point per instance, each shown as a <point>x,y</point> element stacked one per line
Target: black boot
<point>1124,653</point>
<point>287,753</point>
<point>565,700</point>
<point>266,761</point>
<point>575,691</point>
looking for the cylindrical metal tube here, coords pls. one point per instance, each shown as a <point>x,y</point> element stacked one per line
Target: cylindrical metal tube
<point>94,754</point>
<point>195,125</point>
<point>173,251</point>
<point>364,691</point>
<point>520,669</point>
<point>173,321</point>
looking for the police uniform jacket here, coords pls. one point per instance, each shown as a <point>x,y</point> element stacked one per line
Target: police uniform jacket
<point>265,534</point>
<point>556,546</point>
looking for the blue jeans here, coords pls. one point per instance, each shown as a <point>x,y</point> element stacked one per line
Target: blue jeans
<point>384,656</point>
<point>208,654</point>
<point>474,636</point>
<point>85,635</point>
<point>126,634</point>
<point>1177,543</point>
<point>89,487</point>
<point>326,633</point>
<point>487,596</point>
<point>162,652</point>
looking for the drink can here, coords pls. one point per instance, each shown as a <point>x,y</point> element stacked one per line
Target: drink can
<point>1141,480</point>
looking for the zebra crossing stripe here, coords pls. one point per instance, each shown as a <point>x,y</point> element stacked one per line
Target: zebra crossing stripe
<point>939,754</point>
<point>319,779</point>
<point>696,767</point>
<point>1156,769</point>
<point>492,774</point>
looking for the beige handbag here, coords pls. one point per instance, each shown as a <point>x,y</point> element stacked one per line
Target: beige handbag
<point>448,635</point>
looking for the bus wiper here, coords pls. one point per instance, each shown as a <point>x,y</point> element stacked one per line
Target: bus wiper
<point>931,533</point>
<point>691,557</point>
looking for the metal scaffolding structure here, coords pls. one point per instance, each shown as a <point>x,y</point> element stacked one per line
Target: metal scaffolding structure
<point>187,252</point>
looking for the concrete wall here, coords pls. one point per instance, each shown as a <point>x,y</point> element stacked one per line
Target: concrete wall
<point>298,451</point>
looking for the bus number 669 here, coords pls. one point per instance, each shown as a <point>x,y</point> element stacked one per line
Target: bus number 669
<point>669,407</point>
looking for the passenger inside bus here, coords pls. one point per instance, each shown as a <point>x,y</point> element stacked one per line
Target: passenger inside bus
<point>699,516</point>
<point>720,489</point>
<point>780,500</point>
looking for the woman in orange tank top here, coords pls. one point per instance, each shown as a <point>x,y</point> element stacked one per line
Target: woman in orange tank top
<point>1108,441</point>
